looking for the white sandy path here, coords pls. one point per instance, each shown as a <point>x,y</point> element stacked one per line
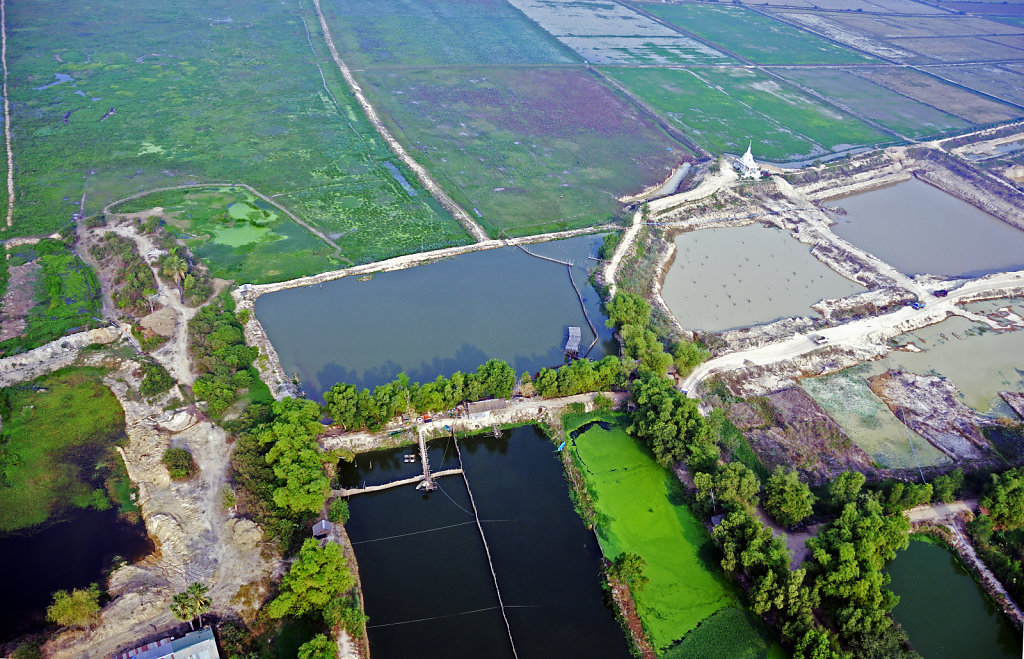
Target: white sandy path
<point>474,229</point>
<point>861,333</point>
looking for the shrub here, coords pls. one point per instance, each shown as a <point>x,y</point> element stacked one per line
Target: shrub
<point>337,511</point>
<point>155,379</point>
<point>79,608</point>
<point>179,463</point>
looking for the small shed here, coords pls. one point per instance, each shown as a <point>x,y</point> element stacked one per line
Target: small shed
<point>572,346</point>
<point>483,408</point>
<point>322,528</point>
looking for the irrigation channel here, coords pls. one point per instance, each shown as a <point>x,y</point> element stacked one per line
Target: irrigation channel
<point>437,318</point>
<point>70,554</point>
<point>505,569</point>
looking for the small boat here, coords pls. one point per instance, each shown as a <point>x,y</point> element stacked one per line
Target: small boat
<point>561,446</point>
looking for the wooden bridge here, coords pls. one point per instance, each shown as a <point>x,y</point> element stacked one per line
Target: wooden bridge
<point>418,478</point>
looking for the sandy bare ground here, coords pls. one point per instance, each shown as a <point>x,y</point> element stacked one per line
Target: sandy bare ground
<point>467,222</point>
<point>18,300</point>
<point>868,333</point>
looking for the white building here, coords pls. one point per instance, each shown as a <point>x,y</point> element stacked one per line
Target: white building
<point>748,168</point>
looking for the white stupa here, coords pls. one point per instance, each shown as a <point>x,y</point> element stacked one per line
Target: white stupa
<point>749,168</point>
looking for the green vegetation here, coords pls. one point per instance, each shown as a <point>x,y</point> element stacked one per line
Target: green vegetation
<point>946,488</point>
<point>337,511</point>
<point>79,608</point>
<point>133,280</point>
<point>192,603</point>
<point>688,355</point>
<point>630,315</point>
<point>239,236</point>
<point>787,499</point>
<point>319,647</point>
<point>641,510</point>
<point>1000,551</point>
<point>295,457</point>
<point>155,379</point>
<point>670,425</point>
<point>67,296</point>
<point>628,568</point>
<point>581,376</point>
<point>217,344</point>
<point>179,463</point>
<point>729,633</point>
<point>178,112</point>
<point>318,576</point>
<point>60,429</point>
<point>754,36</point>
<point>1004,499</point>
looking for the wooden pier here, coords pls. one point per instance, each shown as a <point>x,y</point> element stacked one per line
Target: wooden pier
<point>418,478</point>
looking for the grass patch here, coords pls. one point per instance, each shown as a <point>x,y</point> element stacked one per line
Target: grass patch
<point>753,36</point>
<point>641,509</point>
<point>237,235</point>
<point>67,297</point>
<point>729,633</point>
<point>247,97</point>
<point>525,150</point>
<point>62,427</point>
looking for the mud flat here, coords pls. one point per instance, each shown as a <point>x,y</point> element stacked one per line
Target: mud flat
<point>920,229</point>
<point>727,278</point>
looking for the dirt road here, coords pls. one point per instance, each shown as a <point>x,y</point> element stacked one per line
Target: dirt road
<point>873,331</point>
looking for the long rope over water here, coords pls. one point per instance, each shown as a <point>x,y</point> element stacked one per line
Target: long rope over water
<point>487,550</point>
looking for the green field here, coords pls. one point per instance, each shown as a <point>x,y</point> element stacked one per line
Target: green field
<point>641,509</point>
<point>241,99</point>
<point>62,427</point>
<point>239,236</point>
<point>729,633</point>
<point>526,150</point>
<point>753,36</point>
<point>724,109</point>
<point>67,295</point>
<point>896,112</point>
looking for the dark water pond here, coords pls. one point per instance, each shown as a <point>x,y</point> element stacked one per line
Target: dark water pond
<point>429,591</point>
<point>944,611</point>
<point>437,318</point>
<point>71,554</point>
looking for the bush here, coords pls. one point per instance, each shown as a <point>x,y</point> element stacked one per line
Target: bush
<point>179,463</point>
<point>337,511</point>
<point>79,608</point>
<point>155,379</point>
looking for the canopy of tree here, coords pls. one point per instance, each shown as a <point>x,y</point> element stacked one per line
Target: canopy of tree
<point>318,575</point>
<point>79,608</point>
<point>670,424</point>
<point>295,457</point>
<point>1004,498</point>
<point>218,348</point>
<point>787,499</point>
<point>318,647</point>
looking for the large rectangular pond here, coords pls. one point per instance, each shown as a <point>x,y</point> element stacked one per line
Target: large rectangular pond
<point>437,318</point>
<point>426,581</point>
<point>922,230</point>
<point>944,611</point>
<point>738,277</point>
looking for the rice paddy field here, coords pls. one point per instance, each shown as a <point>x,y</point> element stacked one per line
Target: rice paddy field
<point>238,236</point>
<point>753,36</point>
<point>108,102</point>
<point>641,509</point>
<point>522,135</point>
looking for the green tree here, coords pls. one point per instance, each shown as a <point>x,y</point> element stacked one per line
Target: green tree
<point>175,268</point>
<point>497,378</point>
<point>787,499</point>
<point>79,608</point>
<point>318,647</point>
<point>816,644</point>
<point>337,511</point>
<point>628,309</point>
<point>295,456</point>
<point>732,487</point>
<point>688,355</point>
<point>670,424</point>
<point>845,488</point>
<point>628,568</point>
<point>946,488</point>
<point>318,575</point>
<point>179,463</point>
<point>155,380</point>
<point>191,603</point>
<point>1004,498</point>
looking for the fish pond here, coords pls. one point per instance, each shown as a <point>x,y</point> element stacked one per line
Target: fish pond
<point>737,277</point>
<point>428,587</point>
<point>437,318</point>
<point>72,554</point>
<point>920,229</point>
<point>946,614</point>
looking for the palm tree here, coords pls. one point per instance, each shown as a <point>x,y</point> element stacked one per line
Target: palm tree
<point>176,268</point>
<point>191,603</point>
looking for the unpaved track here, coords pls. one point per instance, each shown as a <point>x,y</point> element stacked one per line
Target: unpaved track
<point>7,114</point>
<point>467,222</point>
<point>858,333</point>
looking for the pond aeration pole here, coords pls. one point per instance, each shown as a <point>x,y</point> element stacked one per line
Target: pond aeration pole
<point>494,576</point>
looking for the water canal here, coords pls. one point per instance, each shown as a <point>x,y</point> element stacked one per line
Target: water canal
<point>71,554</point>
<point>944,611</point>
<point>738,277</point>
<point>427,585</point>
<point>437,318</point>
<point>922,230</point>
